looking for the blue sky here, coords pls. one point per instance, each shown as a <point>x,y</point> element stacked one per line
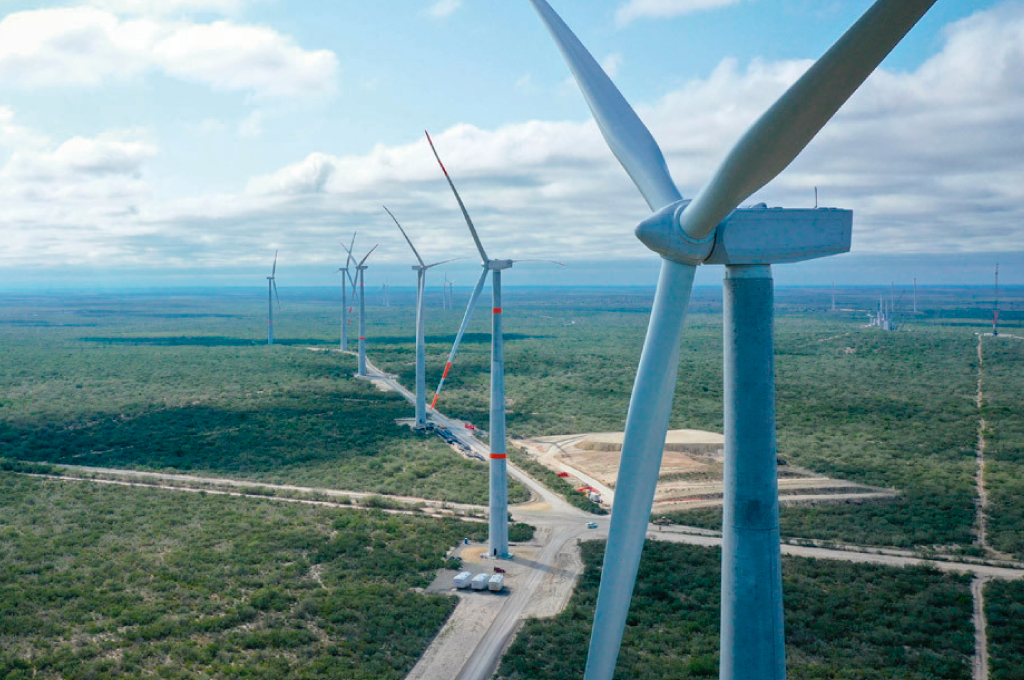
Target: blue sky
<point>154,140</point>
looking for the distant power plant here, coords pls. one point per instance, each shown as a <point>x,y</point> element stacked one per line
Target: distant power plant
<point>711,229</point>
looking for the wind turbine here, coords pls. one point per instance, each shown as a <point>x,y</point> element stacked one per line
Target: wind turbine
<point>359,283</point>
<point>498,510</point>
<point>346,278</point>
<point>421,377</point>
<point>271,294</point>
<point>711,229</point>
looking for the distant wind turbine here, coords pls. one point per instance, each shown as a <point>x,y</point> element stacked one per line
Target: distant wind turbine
<point>712,229</point>
<point>271,294</point>
<point>361,285</point>
<point>421,275</point>
<point>346,278</point>
<point>498,510</point>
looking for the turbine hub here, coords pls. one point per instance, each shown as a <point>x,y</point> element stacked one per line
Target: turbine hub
<point>661,233</point>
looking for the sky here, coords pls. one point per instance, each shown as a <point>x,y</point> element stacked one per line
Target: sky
<point>183,142</point>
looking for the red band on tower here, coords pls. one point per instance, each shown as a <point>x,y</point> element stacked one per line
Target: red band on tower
<point>497,310</point>
<point>499,456</point>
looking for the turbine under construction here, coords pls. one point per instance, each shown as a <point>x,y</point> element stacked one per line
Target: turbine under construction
<point>711,229</point>
<point>498,504</point>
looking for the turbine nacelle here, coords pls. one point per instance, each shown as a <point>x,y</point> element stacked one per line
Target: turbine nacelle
<point>755,235</point>
<point>497,265</point>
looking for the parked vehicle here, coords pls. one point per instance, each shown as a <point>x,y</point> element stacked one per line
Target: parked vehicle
<point>479,582</point>
<point>496,583</point>
<point>462,580</point>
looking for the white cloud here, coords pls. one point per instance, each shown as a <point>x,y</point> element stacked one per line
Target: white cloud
<point>929,161</point>
<point>251,125</point>
<point>168,7</point>
<point>84,46</point>
<point>611,64</point>
<point>635,9</point>
<point>443,8</point>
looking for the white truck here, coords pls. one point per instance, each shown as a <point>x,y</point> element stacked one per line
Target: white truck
<point>479,582</point>
<point>462,579</point>
<point>496,583</point>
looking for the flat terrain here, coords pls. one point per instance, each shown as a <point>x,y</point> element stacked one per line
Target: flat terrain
<point>183,386</point>
<point>691,471</point>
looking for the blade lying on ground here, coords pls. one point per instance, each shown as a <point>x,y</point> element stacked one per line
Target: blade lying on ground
<point>783,131</point>
<point>462,329</point>
<point>465,213</point>
<point>405,235</point>
<point>626,135</point>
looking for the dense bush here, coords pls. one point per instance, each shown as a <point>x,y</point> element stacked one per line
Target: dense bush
<point>1004,606</point>
<point>99,582</point>
<point>843,620</point>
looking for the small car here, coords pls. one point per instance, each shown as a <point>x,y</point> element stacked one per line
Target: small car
<point>591,525</point>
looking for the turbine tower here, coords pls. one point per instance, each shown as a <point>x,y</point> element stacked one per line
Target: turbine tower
<point>498,507</point>
<point>995,308</point>
<point>421,378</point>
<point>711,229</point>
<point>271,294</point>
<point>360,284</point>
<point>346,278</point>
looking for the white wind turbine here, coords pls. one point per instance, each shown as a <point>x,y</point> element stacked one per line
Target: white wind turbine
<point>710,229</point>
<point>361,285</point>
<point>421,275</point>
<point>271,294</point>
<point>346,278</point>
<point>498,505</point>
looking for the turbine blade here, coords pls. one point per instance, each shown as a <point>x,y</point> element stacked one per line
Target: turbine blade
<point>626,135</point>
<point>274,269</point>
<point>782,132</point>
<point>436,264</point>
<point>458,337</point>
<point>406,236</point>
<point>560,264</point>
<point>462,206</point>
<point>646,424</point>
<point>274,282</point>
<point>368,255</point>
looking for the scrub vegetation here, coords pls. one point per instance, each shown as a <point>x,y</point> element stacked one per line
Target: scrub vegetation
<point>843,620</point>
<point>1004,449</point>
<point>118,389</point>
<point>105,582</point>
<point>1004,607</point>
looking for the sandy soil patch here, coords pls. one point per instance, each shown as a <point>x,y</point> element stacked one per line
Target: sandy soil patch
<point>691,470</point>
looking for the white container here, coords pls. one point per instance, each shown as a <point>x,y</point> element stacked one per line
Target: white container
<point>479,582</point>
<point>496,583</point>
<point>461,581</point>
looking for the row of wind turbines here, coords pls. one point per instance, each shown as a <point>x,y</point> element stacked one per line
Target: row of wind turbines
<point>711,228</point>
